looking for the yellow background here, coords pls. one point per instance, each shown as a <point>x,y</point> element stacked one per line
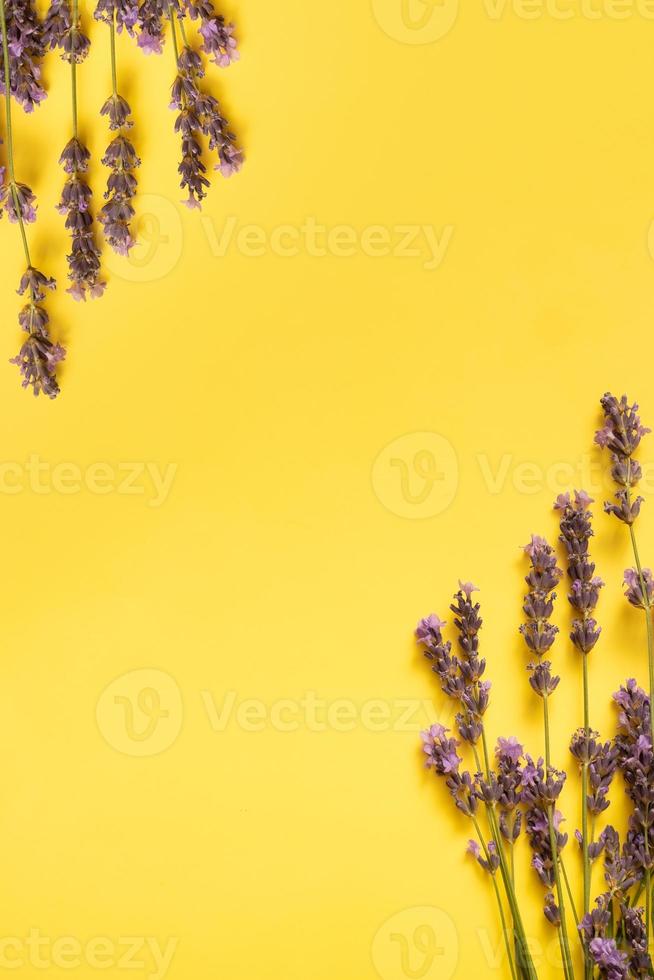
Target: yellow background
<point>285,559</point>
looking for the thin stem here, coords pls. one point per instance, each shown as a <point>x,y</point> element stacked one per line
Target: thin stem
<point>563,928</point>
<point>525,961</point>
<point>171,15</point>
<point>568,889</point>
<point>500,906</point>
<point>73,65</point>
<point>588,968</point>
<point>112,37</point>
<point>10,137</point>
<point>546,724</point>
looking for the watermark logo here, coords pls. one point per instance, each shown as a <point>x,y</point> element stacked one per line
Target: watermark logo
<point>416,944</point>
<point>416,21</point>
<point>140,713</point>
<point>417,475</point>
<point>159,238</point>
<point>39,951</point>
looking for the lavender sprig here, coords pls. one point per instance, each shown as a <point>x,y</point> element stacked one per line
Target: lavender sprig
<point>117,213</point>
<point>38,355</point>
<point>539,635</point>
<point>64,32</point>
<point>461,679</point>
<point>576,531</point>
<point>621,434</point>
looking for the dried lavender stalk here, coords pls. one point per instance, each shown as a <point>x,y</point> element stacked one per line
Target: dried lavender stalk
<point>545,784</point>
<point>38,356</point>
<point>63,31</point>
<point>621,434</point>
<point>576,532</point>
<point>120,156</point>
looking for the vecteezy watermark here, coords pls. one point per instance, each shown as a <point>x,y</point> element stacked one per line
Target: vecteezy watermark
<point>41,952</point>
<point>150,480</point>
<point>423,243</point>
<point>426,21</point>
<point>140,713</point>
<point>313,713</point>
<point>157,228</point>
<point>416,475</point>
<point>419,943</point>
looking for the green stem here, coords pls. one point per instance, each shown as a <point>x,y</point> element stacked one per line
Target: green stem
<point>500,906</point>
<point>525,961</point>
<point>73,65</point>
<point>171,15</point>
<point>563,928</point>
<point>112,38</point>
<point>568,889</point>
<point>588,968</point>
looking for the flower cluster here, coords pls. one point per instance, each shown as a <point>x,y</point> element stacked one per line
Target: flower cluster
<point>84,258</point>
<point>520,790</point>
<point>576,532</point>
<point>199,115</point>
<point>26,46</point>
<point>460,676</point>
<point>117,213</point>
<point>38,356</point>
<point>538,632</point>
<point>25,39</point>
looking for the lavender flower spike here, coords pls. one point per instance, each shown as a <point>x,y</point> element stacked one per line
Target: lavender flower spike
<point>576,532</point>
<point>38,356</point>
<point>538,632</point>
<point>26,46</point>
<point>621,434</point>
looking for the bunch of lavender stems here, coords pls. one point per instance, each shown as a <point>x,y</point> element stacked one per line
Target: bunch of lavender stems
<point>621,434</point>
<point>614,933</point>
<point>461,679</point>
<point>38,356</point>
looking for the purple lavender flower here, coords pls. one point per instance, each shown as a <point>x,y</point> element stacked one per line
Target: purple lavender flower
<point>124,13</point>
<point>26,46</point>
<point>150,21</point>
<point>218,38</point>
<point>17,199</point>
<point>489,864</point>
<point>460,676</point>
<point>60,32</point>
<point>576,532</point>
<point>84,258</point>
<point>538,633</point>
<point>611,963</point>
<point>199,114</point>
<point>440,750</point>
<point>116,215</point>
<point>621,435</point>
<point>38,356</point>
<point>635,933</point>
<point>508,796</point>
<point>601,760</point>
<point>639,593</point>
